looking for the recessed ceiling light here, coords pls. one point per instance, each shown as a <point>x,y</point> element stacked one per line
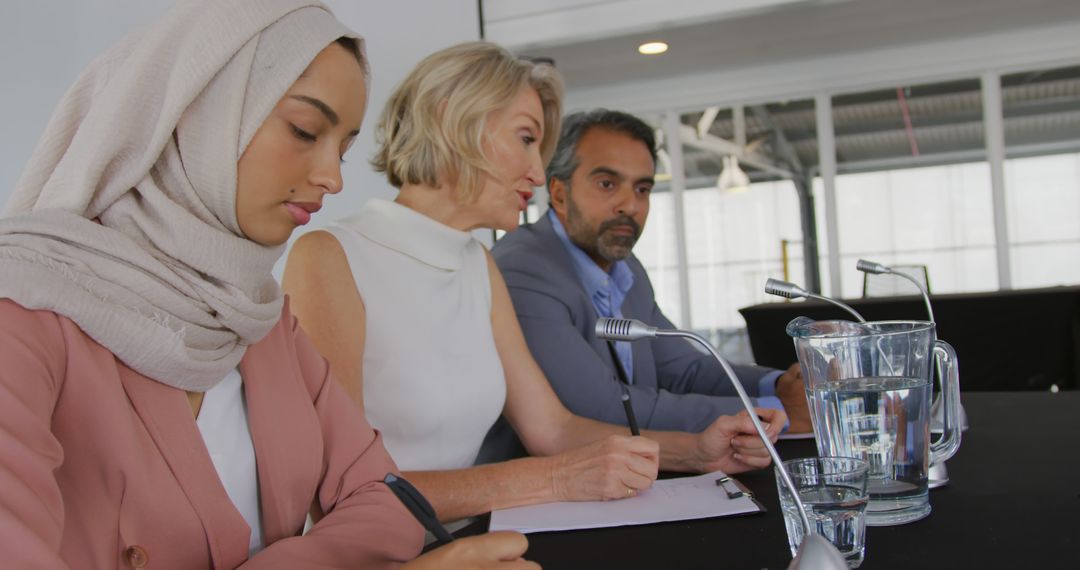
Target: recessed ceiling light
<point>652,48</point>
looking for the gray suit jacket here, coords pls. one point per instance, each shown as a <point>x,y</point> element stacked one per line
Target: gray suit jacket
<point>675,386</point>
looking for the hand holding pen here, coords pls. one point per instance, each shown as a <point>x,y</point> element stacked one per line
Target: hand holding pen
<point>615,467</point>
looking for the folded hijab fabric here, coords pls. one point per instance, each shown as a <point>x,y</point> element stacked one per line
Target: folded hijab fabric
<point>125,217</point>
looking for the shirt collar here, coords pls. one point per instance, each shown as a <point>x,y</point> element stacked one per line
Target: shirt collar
<point>592,277</point>
<point>409,232</point>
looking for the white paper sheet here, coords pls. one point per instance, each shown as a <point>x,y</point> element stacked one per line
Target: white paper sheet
<point>667,500</point>
<point>804,435</point>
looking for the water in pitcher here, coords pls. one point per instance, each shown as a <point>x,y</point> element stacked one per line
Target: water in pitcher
<point>882,420</point>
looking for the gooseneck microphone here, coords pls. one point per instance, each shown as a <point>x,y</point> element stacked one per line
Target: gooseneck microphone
<point>793,291</point>
<point>879,269</point>
<point>938,475</point>
<point>815,551</point>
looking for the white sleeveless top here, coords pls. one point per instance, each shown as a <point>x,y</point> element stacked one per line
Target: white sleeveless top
<point>224,427</point>
<point>433,382</point>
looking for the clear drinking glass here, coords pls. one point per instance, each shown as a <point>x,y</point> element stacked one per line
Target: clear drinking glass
<point>834,492</point>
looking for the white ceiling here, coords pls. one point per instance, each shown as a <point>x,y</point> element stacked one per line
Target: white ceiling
<point>544,23</point>
<point>784,33</point>
<point>726,48</point>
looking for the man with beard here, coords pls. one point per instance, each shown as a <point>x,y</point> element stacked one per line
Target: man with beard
<point>575,265</point>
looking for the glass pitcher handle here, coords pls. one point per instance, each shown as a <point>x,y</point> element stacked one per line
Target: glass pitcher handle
<point>948,369</point>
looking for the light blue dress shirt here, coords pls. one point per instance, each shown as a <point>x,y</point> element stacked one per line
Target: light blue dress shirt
<point>607,291</point>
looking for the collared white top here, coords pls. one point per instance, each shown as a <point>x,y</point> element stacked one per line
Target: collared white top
<point>433,381</point>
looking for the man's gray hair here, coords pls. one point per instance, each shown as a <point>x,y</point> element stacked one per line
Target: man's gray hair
<point>564,162</point>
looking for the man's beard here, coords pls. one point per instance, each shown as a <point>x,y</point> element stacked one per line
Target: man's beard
<point>601,243</point>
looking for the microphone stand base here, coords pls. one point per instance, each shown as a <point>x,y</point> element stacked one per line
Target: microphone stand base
<point>938,476</point>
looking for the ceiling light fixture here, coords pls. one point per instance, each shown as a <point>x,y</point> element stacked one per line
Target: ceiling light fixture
<point>732,178</point>
<point>652,48</point>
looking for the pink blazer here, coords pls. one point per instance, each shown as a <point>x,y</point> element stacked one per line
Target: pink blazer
<point>101,467</point>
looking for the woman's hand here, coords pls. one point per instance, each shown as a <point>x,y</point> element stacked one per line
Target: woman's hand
<point>495,550</point>
<point>615,467</point>
<point>732,445</point>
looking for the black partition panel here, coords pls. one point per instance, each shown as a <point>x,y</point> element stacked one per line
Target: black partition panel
<point>1026,339</point>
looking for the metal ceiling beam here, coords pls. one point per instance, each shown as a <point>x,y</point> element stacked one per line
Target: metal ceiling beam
<point>722,147</point>
<point>738,120</point>
<point>706,120</point>
<point>783,147</point>
<point>899,163</point>
<point>1014,111</point>
<point>964,107</point>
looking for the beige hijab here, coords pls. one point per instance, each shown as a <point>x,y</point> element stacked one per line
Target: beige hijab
<point>125,218</point>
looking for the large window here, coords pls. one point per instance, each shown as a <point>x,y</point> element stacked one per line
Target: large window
<point>734,243</point>
<point>1042,175</point>
<point>1043,194</point>
<point>914,187</point>
<point>656,249</point>
<point>938,216</point>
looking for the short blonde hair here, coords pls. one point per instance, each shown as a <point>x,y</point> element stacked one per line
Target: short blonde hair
<point>432,128</point>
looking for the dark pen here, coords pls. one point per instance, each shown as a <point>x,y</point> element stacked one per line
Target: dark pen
<point>418,506</point>
<point>631,419</point>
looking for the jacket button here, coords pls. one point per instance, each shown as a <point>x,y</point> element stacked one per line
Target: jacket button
<point>137,556</point>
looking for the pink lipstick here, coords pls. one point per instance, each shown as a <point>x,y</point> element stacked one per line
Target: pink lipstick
<point>301,211</point>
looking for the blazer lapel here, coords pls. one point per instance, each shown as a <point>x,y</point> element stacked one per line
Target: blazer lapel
<point>167,416</point>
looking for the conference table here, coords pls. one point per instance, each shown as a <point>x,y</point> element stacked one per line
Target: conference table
<point>1013,501</point>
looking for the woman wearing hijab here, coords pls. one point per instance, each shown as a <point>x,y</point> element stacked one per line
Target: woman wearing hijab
<point>416,319</point>
<point>159,405</point>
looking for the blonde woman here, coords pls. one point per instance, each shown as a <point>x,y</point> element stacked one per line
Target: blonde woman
<point>416,319</point>
<point>159,405</point>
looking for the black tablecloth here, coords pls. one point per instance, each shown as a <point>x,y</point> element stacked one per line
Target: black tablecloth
<point>1010,504</point>
<point>1026,339</point>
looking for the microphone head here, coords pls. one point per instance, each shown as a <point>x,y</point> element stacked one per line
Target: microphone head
<point>871,267</point>
<point>784,289</point>
<point>623,329</point>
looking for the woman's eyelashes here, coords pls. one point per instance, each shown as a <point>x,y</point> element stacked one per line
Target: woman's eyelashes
<point>309,137</point>
<point>527,137</point>
<point>302,134</point>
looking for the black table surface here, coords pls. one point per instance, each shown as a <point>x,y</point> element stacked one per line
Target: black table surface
<point>1013,501</point>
